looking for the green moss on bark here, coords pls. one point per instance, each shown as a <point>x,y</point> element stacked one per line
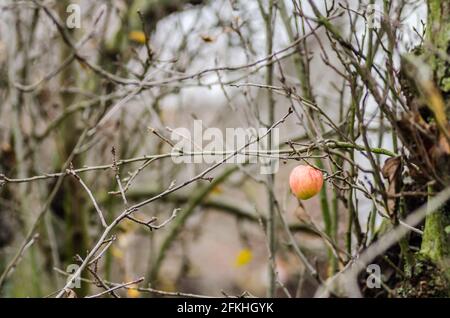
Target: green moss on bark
<point>427,281</point>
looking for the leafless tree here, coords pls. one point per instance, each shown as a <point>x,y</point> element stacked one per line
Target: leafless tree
<point>94,201</point>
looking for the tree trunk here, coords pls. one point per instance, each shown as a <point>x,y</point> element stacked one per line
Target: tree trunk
<point>435,243</point>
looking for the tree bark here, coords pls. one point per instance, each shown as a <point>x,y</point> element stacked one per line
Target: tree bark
<point>435,243</point>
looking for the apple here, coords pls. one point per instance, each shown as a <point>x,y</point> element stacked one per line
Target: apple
<point>305,182</point>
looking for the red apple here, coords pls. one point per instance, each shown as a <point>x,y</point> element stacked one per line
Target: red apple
<point>305,182</point>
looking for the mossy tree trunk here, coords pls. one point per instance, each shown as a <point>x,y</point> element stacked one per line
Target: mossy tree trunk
<point>436,239</point>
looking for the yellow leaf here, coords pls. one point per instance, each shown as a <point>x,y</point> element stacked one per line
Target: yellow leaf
<point>168,285</point>
<point>436,103</point>
<point>217,190</point>
<point>137,36</point>
<point>117,253</point>
<point>244,257</point>
<point>133,293</point>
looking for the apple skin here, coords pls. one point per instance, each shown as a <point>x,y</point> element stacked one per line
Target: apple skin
<point>305,182</point>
